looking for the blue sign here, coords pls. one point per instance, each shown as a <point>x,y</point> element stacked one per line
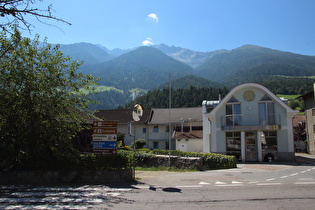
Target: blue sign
<point>104,144</point>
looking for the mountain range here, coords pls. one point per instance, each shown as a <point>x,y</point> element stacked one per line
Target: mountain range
<point>133,72</point>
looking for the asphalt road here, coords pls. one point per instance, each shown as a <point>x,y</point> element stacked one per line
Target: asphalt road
<point>249,186</point>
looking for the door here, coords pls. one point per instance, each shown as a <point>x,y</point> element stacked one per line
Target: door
<point>251,153</point>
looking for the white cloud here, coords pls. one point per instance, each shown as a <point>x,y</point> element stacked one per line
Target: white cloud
<point>147,42</point>
<point>153,17</point>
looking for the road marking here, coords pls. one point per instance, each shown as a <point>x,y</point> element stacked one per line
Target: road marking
<point>140,186</point>
<point>294,174</point>
<point>284,177</point>
<point>229,185</point>
<point>271,179</point>
<point>236,182</point>
<point>302,172</point>
<point>220,183</point>
<point>268,184</point>
<point>204,183</point>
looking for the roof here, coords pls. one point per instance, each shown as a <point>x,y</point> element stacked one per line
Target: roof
<point>307,95</point>
<point>176,115</point>
<point>189,135</point>
<point>122,116</point>
<point>247,85</point>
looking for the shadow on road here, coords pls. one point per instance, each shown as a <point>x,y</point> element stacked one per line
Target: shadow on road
<point>305,160</point>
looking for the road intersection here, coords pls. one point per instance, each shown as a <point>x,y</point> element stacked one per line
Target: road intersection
<point>265,186</point>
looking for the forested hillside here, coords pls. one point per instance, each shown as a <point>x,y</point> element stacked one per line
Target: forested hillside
<point>250,60</point>
<point>134,72</point>
<point>189,97</point>
<point>145,68</point>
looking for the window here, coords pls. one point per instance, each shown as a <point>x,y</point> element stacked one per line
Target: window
<point>167,130</point>
<point>156,129</point>
<point>233,144</point>
<point>266,113</point>
<point>313,112</point>
<point>155,144</point>
<point>233,113</point>
<point>269,145</point>
<point>314,128</point>
<point>144,130</point>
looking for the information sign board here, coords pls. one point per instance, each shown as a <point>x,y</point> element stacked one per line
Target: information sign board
<point>104,137</point>
<point>107,124</point>
<point>102,130</point>
<point>104,144</point>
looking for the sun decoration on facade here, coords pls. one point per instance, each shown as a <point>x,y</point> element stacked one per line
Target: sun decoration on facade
<point>249,95</point>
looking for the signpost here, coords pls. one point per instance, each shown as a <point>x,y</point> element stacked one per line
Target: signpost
<point>104,137</point>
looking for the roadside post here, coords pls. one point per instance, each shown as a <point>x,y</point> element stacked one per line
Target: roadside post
<point>104,138</point>
<point>137,113</point>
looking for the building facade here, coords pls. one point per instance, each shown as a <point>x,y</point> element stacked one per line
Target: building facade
<point>176,128</point>
<point>309,103</point>
<point>251,123</point>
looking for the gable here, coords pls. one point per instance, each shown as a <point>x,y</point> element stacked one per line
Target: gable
<point>251,94</point>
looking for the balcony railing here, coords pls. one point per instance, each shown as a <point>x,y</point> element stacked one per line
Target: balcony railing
<point>251,122</point>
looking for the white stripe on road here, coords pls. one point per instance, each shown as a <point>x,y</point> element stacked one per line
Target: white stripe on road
<point>268,184</point>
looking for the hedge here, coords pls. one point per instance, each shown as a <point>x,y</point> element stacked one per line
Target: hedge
<point>126,159</point>
<point>210,160</point>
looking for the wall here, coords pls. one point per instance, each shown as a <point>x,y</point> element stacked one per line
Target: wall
<point>193,145</point>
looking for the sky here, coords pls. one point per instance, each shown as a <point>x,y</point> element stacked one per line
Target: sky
<point>200,25</point>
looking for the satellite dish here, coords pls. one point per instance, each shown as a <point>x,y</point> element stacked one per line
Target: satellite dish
<point>137,112</point>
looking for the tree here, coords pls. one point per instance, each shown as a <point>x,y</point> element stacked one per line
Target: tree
<point>138,144</point>
<point>16,11</point>
<point>41,101</point>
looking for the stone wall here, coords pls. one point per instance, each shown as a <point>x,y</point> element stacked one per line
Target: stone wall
<point>176,161</point>
<point>66,177</point>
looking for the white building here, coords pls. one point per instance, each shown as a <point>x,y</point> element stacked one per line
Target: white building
<point>154,127</point>
<point>251,123</point>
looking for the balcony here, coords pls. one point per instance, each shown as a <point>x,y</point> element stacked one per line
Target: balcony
<point>250,122</point>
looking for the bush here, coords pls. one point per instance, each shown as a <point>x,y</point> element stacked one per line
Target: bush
<point>210,160</point>
<point>138,144</point>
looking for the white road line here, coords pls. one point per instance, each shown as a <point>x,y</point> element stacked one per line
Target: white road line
<point>204,183</point>
<point>141,186</point>
<point>271,179</point>
<point>284,177</point>
<point>236,182</point>
<point>218,183</point>
<point>229,185</point>
<point>294,174</point>
<point>268,184</point>
<point>302,172</point>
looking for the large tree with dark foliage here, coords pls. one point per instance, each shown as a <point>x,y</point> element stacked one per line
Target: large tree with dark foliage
<point>41,93</point>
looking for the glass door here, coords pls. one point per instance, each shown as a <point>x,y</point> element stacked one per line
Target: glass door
<point>251,146</point>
